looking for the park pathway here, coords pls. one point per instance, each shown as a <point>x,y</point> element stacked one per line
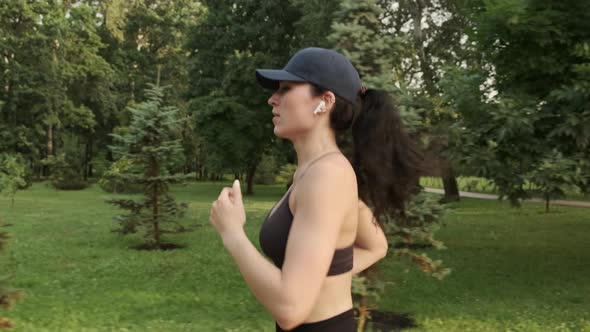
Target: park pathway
<point>490,196</point>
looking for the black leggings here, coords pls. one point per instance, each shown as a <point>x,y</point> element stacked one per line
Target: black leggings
<point>343,322</point>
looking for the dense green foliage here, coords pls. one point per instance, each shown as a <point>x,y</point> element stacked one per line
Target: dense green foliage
<point>490,87</point>
<point>526,97</point>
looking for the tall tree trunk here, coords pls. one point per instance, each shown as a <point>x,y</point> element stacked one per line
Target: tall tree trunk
<point>155,216</point>
<point>50,140</point>
<point>49,146</point>
<point>159,74</point>
<point>53,106</point>
<point>132,79</point>
<point>428,75</point>
<point>155,211</point>
<point>90,150</point>
<point>250,179</point>
<point>425,66</point>
<point>450,183</point>
<point>199,173</point>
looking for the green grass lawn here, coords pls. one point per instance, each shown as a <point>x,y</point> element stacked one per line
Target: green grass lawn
<point>513,269</point>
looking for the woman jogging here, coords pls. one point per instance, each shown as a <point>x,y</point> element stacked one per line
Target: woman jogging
<point>322,232</point>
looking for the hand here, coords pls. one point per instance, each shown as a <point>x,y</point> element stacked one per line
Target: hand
<point>227,213</point>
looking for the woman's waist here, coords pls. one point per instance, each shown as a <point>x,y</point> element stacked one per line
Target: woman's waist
<point>335,297</point>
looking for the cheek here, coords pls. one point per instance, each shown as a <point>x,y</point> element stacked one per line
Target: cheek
<point>296,114</point>
<point>300,117</point>
<point>293,121</point>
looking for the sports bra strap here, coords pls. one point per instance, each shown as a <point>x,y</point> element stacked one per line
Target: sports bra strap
<point>311,163</point>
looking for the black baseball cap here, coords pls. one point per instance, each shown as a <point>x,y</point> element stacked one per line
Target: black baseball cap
<point>325,68</point>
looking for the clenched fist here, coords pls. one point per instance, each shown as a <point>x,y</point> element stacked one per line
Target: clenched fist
<point>227,213</point>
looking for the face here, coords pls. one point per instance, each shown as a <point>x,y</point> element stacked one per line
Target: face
<point>292,108</point>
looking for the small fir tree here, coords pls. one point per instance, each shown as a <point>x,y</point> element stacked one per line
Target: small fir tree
<point>12,175</point>
<point>151,144</point>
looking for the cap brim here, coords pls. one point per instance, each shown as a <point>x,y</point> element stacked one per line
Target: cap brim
<point>270,78</point>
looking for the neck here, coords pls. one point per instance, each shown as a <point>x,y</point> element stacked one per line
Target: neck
<point>313,145</point>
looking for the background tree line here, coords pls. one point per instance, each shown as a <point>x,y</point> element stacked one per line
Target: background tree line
<point>497,89</point>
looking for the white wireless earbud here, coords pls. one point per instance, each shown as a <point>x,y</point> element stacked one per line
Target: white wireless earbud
<point>320,108</point>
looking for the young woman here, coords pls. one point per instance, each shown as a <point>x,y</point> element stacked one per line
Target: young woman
<point>322,232</point>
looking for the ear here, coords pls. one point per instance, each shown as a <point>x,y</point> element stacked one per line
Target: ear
<point>330,99</point>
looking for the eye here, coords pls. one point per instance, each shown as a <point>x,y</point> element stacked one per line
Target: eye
<point>283,89</point>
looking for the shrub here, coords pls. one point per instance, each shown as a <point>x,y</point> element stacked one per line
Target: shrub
<point>266,171</point>
<point>12,175</point>
<point>64,175</point>
<point>8,296</point>
<point>286,174</point>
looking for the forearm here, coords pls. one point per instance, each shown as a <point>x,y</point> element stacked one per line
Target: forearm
<point>262,277</point>
<point>364,258</point>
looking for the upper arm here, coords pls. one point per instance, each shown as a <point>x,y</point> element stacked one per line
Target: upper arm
<point>322,199</point>
<point>369,234</point>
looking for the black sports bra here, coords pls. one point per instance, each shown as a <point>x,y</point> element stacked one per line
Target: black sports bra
<point>275,232</point>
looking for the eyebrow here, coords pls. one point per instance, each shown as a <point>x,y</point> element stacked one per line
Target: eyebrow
<point>289,83</point>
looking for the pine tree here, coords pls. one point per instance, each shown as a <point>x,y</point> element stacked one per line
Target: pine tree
<point>150,143</point>
<point>8,296</point>
<point>358,32</point>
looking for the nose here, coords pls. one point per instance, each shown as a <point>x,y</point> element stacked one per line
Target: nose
<point>273,100</point>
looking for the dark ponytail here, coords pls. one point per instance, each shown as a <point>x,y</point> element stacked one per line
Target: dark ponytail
<point>387,161</point>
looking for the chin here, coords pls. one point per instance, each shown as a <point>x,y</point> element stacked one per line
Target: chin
<point>278,133</point>
<point>282,133</point>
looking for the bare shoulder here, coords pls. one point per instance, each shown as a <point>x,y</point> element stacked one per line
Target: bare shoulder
<point>333,176</point>
<point>330,168</point>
